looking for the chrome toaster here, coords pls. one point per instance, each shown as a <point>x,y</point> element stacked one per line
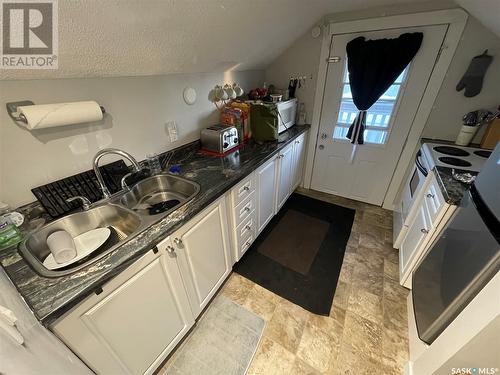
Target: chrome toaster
<point>219,138</point>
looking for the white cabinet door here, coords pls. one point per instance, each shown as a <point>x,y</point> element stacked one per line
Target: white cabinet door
<point>299,148</point>
<point>285,161</point>
<point>204,252</point>
<point>417,231</point>
<point>135,322</point>
<point>266,193</point>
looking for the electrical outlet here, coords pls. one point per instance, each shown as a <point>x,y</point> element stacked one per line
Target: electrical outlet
<point>172,131</point>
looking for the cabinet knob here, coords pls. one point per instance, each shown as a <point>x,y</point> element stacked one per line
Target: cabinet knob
<point>247,243</point>
<point>430,196</point>
<point>170,249</point>
<point>424,231</point>
<point>246,188</point>
<point>247,209</point>
<point>248,227</point>
<point>178,242</point>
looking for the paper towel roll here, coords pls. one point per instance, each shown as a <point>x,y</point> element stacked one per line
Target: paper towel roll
<point>50,115</point>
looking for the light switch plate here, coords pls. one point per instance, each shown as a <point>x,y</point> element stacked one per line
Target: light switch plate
<point>172,131</point>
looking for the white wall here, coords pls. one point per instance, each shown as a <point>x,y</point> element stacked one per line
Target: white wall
<point>137,110</point>
<point>445,119</point>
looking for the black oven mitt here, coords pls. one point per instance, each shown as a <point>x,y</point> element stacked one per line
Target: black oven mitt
<point>472,80</point>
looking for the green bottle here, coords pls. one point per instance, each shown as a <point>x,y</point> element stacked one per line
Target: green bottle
<point>9,234</point>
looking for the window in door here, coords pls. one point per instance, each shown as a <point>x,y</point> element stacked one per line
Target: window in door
<point>378,117</point>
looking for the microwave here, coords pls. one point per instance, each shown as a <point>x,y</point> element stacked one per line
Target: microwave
<point>287,111</point>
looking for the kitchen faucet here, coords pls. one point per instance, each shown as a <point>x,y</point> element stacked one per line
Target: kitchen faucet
<point>106,151</point>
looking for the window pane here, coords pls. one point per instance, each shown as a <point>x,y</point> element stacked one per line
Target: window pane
<point>340,132</point>
<point>347,112</point>
<point>375,136</point>
<point>379,114</point>
<point>391,93</point>
<point>346,93</point>
<point>401,76</point>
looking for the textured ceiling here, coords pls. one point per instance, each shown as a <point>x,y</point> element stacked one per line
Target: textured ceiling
<point>99,38</point>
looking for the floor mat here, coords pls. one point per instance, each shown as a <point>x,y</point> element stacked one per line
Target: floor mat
<point>278,271</point>
<point>223,341</point>
<point>289,234</point>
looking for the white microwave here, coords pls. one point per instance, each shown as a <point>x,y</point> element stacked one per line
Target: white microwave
<point>287,111</point>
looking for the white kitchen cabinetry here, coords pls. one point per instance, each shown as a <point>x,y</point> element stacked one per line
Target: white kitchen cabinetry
<point>299,150</point>
<point>431,215</point>
<point>285,164</point>
<point>266,177</point>
<point>136,319</point>
<point>203,250</point>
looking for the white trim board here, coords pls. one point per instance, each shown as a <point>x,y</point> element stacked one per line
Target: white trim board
<point>455,18</point>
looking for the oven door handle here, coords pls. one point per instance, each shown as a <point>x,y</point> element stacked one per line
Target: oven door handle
<point>420,167</point>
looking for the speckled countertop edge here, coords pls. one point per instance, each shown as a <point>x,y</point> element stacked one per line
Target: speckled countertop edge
<point>452,190</point>
<point>49,298</point>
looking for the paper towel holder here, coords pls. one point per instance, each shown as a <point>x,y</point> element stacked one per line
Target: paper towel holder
<point>19,117</point>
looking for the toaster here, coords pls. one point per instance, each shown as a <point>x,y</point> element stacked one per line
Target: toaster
<point>219,138</point>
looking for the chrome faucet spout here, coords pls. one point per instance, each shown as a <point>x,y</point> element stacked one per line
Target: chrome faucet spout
<point>107,151</point>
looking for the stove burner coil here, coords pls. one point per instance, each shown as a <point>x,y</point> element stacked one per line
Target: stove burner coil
<point>455,161</point>
<point>453,151</point>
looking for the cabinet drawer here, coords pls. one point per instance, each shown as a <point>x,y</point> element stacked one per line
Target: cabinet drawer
<point>433,199</point>
<point>417,231</point>
<point>246,228</point>
<point>245,243</point>
<point>244,209</point>
<point>241,191</point>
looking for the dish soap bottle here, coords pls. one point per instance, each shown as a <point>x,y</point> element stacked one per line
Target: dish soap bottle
<point>9,234</point>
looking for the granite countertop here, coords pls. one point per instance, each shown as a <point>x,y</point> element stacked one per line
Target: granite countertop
<point>49,298</point>
<point>453,190</point>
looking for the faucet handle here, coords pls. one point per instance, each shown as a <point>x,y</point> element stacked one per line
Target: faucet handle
<point>85,201</point>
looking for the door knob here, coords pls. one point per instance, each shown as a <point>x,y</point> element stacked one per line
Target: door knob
<point>321,147</point>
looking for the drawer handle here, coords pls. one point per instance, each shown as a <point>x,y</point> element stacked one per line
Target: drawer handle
<point>170,250</point>
<point>430,196</point>
<point>424,231</point>
<point>246,188</point>
<point>178,242</point>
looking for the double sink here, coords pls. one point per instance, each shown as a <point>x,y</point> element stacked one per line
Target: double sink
<point>126,214</point>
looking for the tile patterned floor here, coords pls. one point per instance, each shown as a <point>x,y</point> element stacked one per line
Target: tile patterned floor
<point>366,332</point>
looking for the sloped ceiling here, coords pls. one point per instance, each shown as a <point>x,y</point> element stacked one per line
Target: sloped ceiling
<point>100,38</point>
<point>486,11</point>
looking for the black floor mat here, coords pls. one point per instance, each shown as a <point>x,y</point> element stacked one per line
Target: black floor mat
<point>313,291</point>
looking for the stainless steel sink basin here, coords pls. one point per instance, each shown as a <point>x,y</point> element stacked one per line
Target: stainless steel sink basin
<point>159,195</point>
<point>122,222</point>
<point>126,214</point>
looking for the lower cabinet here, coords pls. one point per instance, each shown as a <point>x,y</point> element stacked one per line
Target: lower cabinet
<point>299,153</point>
<point>266,177</point>
<point>203,250</point>
<point>285,164</point>
<point>135,322</point>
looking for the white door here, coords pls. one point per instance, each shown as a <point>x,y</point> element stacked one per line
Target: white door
<point>284,175</point>
<point>363,172</point>
<point>266,188</point>
<point>204,253</point>
<point>298,160</point>
<point>135,322</point>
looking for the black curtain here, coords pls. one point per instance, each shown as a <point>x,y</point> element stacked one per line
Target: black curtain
<point>373,67</point>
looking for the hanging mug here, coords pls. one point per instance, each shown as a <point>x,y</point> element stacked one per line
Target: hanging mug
<point>238,90</point>
<point>231,94</point>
